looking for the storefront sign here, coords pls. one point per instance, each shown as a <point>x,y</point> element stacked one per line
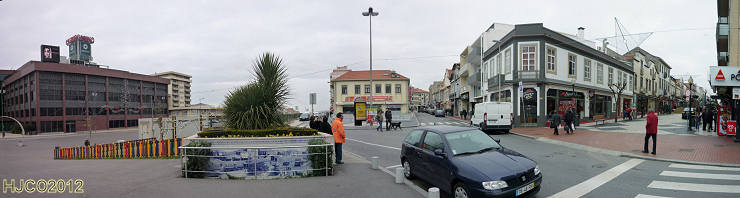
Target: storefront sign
<point>736,93</point>
<point>724,76</point>
<point>366,98</point>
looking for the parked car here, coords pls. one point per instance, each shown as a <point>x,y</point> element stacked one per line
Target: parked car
<point>493,116</point>
<point>439,113</point>
<point>686,113</point>
<point>466,162</point>
<point>431,111</point>
<point>304,117</point>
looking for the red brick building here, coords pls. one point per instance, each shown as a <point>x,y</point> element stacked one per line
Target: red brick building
<point>56,97</point>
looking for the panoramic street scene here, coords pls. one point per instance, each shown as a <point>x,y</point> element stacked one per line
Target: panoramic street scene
<point>428,99</point>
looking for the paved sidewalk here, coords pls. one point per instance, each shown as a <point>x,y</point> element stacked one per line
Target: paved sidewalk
<point>667,124</point>
<point>706,149</point>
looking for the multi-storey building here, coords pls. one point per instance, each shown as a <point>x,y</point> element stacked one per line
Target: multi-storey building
<point>724,77</point>
<point>471,61</point>
<point>56,97</point>
<point>419,98</point>
<point>390,90</point>
<point>434,94</point>
<point>652,81</point>
<point>178,89</point>
<point>543,72</point>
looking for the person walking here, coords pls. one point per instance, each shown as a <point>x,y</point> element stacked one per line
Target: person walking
<point>325,126</point>
<point>337,129</point>
<point>706,116</point>
<point>569,117</point>
<point>555,123</point>
<point>711,120</point>
<point>464,114</point>
<point>651,130</point>
<point>312,123</point>
<point>697,120</point>
<point>379,118</point>
<point>388,119</point>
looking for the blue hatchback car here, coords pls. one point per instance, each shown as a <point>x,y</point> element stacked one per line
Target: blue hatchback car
<point>466,162</point>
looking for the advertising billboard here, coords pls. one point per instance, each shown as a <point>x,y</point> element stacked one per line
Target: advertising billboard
<point>49,53</point>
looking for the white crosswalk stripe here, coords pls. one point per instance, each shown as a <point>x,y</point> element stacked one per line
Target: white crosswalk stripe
<point>708,174</point>
<point>648,196</point>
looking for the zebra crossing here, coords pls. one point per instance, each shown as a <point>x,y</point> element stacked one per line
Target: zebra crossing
<point>453,123</point>
<point>709,181</point>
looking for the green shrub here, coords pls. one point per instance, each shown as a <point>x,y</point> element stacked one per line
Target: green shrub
<point>15,128</point>
<point>257,105</point>
<point>216,133</point>
<point>321,157</point>
<point>197,163</point>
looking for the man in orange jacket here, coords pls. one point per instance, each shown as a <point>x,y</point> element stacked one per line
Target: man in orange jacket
<point>337,129</point>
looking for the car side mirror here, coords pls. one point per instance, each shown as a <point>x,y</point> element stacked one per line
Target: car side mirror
<point>497,140</point>
<point>439,152</point>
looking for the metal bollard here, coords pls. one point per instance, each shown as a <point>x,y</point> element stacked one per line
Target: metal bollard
<point>374,164</point>
<point>433,193</point>
<point>399,175</point>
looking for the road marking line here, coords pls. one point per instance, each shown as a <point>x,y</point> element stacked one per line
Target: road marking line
<point>700,175</point>
<point>695,187</point>
<point>701,167</point>
<point>589,185</point>
<point>649,196</point>
<point>394,166</point>
<point>378,145</point>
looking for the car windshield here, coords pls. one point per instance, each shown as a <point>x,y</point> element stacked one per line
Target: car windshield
<point>471,141</point>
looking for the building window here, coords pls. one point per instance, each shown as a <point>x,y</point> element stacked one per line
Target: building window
<point>398,88</point>
<point>551,53</point>
<point>619,78</point>
<point>357,89</point>
<point>367,89</point>
<point>630,83</point>
<point>572,65</point>
<point>51,111</point>
<point>344,89</point>
<point>587,70</point>
<point>528,57</point>
<point>378,88</point>
<point>485,70</point>
<point>507,62</point>
<point>610,76</point>
<point>599,73</point>
<point>387,88</point>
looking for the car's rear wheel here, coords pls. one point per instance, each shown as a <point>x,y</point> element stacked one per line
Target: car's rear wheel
<point>407,170</point>
<point>460,190</point>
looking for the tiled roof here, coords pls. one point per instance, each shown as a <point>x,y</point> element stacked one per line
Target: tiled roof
<point>365,75</point>
<point>420,90</point>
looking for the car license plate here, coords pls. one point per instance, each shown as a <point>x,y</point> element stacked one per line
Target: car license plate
<point>524,189</point>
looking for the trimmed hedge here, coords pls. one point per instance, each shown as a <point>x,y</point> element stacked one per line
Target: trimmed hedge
<point>277,132</point>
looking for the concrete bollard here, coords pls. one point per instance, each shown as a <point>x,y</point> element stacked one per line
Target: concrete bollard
<point>433,193</point>
<point>374,164</point>
<point>399,175</point>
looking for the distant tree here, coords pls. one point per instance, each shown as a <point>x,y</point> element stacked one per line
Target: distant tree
<point>617,89</point>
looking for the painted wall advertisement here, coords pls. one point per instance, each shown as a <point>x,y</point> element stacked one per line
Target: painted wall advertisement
<point>360,111</point>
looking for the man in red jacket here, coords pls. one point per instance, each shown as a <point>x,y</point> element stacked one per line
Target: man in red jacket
<point>651,130</point>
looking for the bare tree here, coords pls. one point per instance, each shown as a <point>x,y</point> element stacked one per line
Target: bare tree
<point>89,124</point>
<point>617,89</point>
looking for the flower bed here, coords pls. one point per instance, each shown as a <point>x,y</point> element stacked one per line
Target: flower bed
<point>258,154</point>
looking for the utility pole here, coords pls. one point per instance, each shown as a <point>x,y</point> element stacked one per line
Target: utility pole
<point>370,14</point>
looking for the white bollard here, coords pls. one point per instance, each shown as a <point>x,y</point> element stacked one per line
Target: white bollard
<point>433,193</point>
<point>399,175</point>
<point>374,164</point>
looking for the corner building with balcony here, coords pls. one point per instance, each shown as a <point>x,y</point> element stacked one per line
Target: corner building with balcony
<point>556,71</point>
<point>58,97</point>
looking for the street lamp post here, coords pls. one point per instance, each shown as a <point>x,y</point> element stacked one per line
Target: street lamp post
<point>690,116</point>
<point>371,14</point>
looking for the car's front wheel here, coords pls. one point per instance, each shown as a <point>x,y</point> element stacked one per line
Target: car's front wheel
<point>460,190</point>
<point>407,170</point>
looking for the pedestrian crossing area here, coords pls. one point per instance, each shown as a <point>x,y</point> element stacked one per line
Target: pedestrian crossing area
<point>685,180</point>
<point>453,123</point>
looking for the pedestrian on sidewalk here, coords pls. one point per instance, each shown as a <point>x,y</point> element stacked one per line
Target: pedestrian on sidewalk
<point>379,118</point>
<point>569,118</point>
<point>555,123</point>
<point>388,119</point>
<point>697,120</point>
<point>312,123</point>
<point>325,126</point>
<point>651,130</point>
<point>706,120</point>
<point>338,130</point>
<point>464,114</point>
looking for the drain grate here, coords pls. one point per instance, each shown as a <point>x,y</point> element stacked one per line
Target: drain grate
<point>685,150</point>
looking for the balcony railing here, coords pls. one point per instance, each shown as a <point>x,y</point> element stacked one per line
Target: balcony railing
<point>723,58</point>
<point>723,29</point>
<point>531,74</point>
<point>495,80</point>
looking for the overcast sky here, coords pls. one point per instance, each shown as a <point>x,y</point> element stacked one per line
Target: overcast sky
<point>217,41</point>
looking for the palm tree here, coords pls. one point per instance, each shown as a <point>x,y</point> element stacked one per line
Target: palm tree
<point>257,105</point>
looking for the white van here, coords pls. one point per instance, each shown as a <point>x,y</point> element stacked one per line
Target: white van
<point>493,116</point>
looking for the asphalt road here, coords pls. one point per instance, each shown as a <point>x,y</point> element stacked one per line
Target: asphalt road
<point>567,171</point>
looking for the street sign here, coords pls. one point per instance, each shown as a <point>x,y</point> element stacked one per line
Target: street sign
<point>688,93</point>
